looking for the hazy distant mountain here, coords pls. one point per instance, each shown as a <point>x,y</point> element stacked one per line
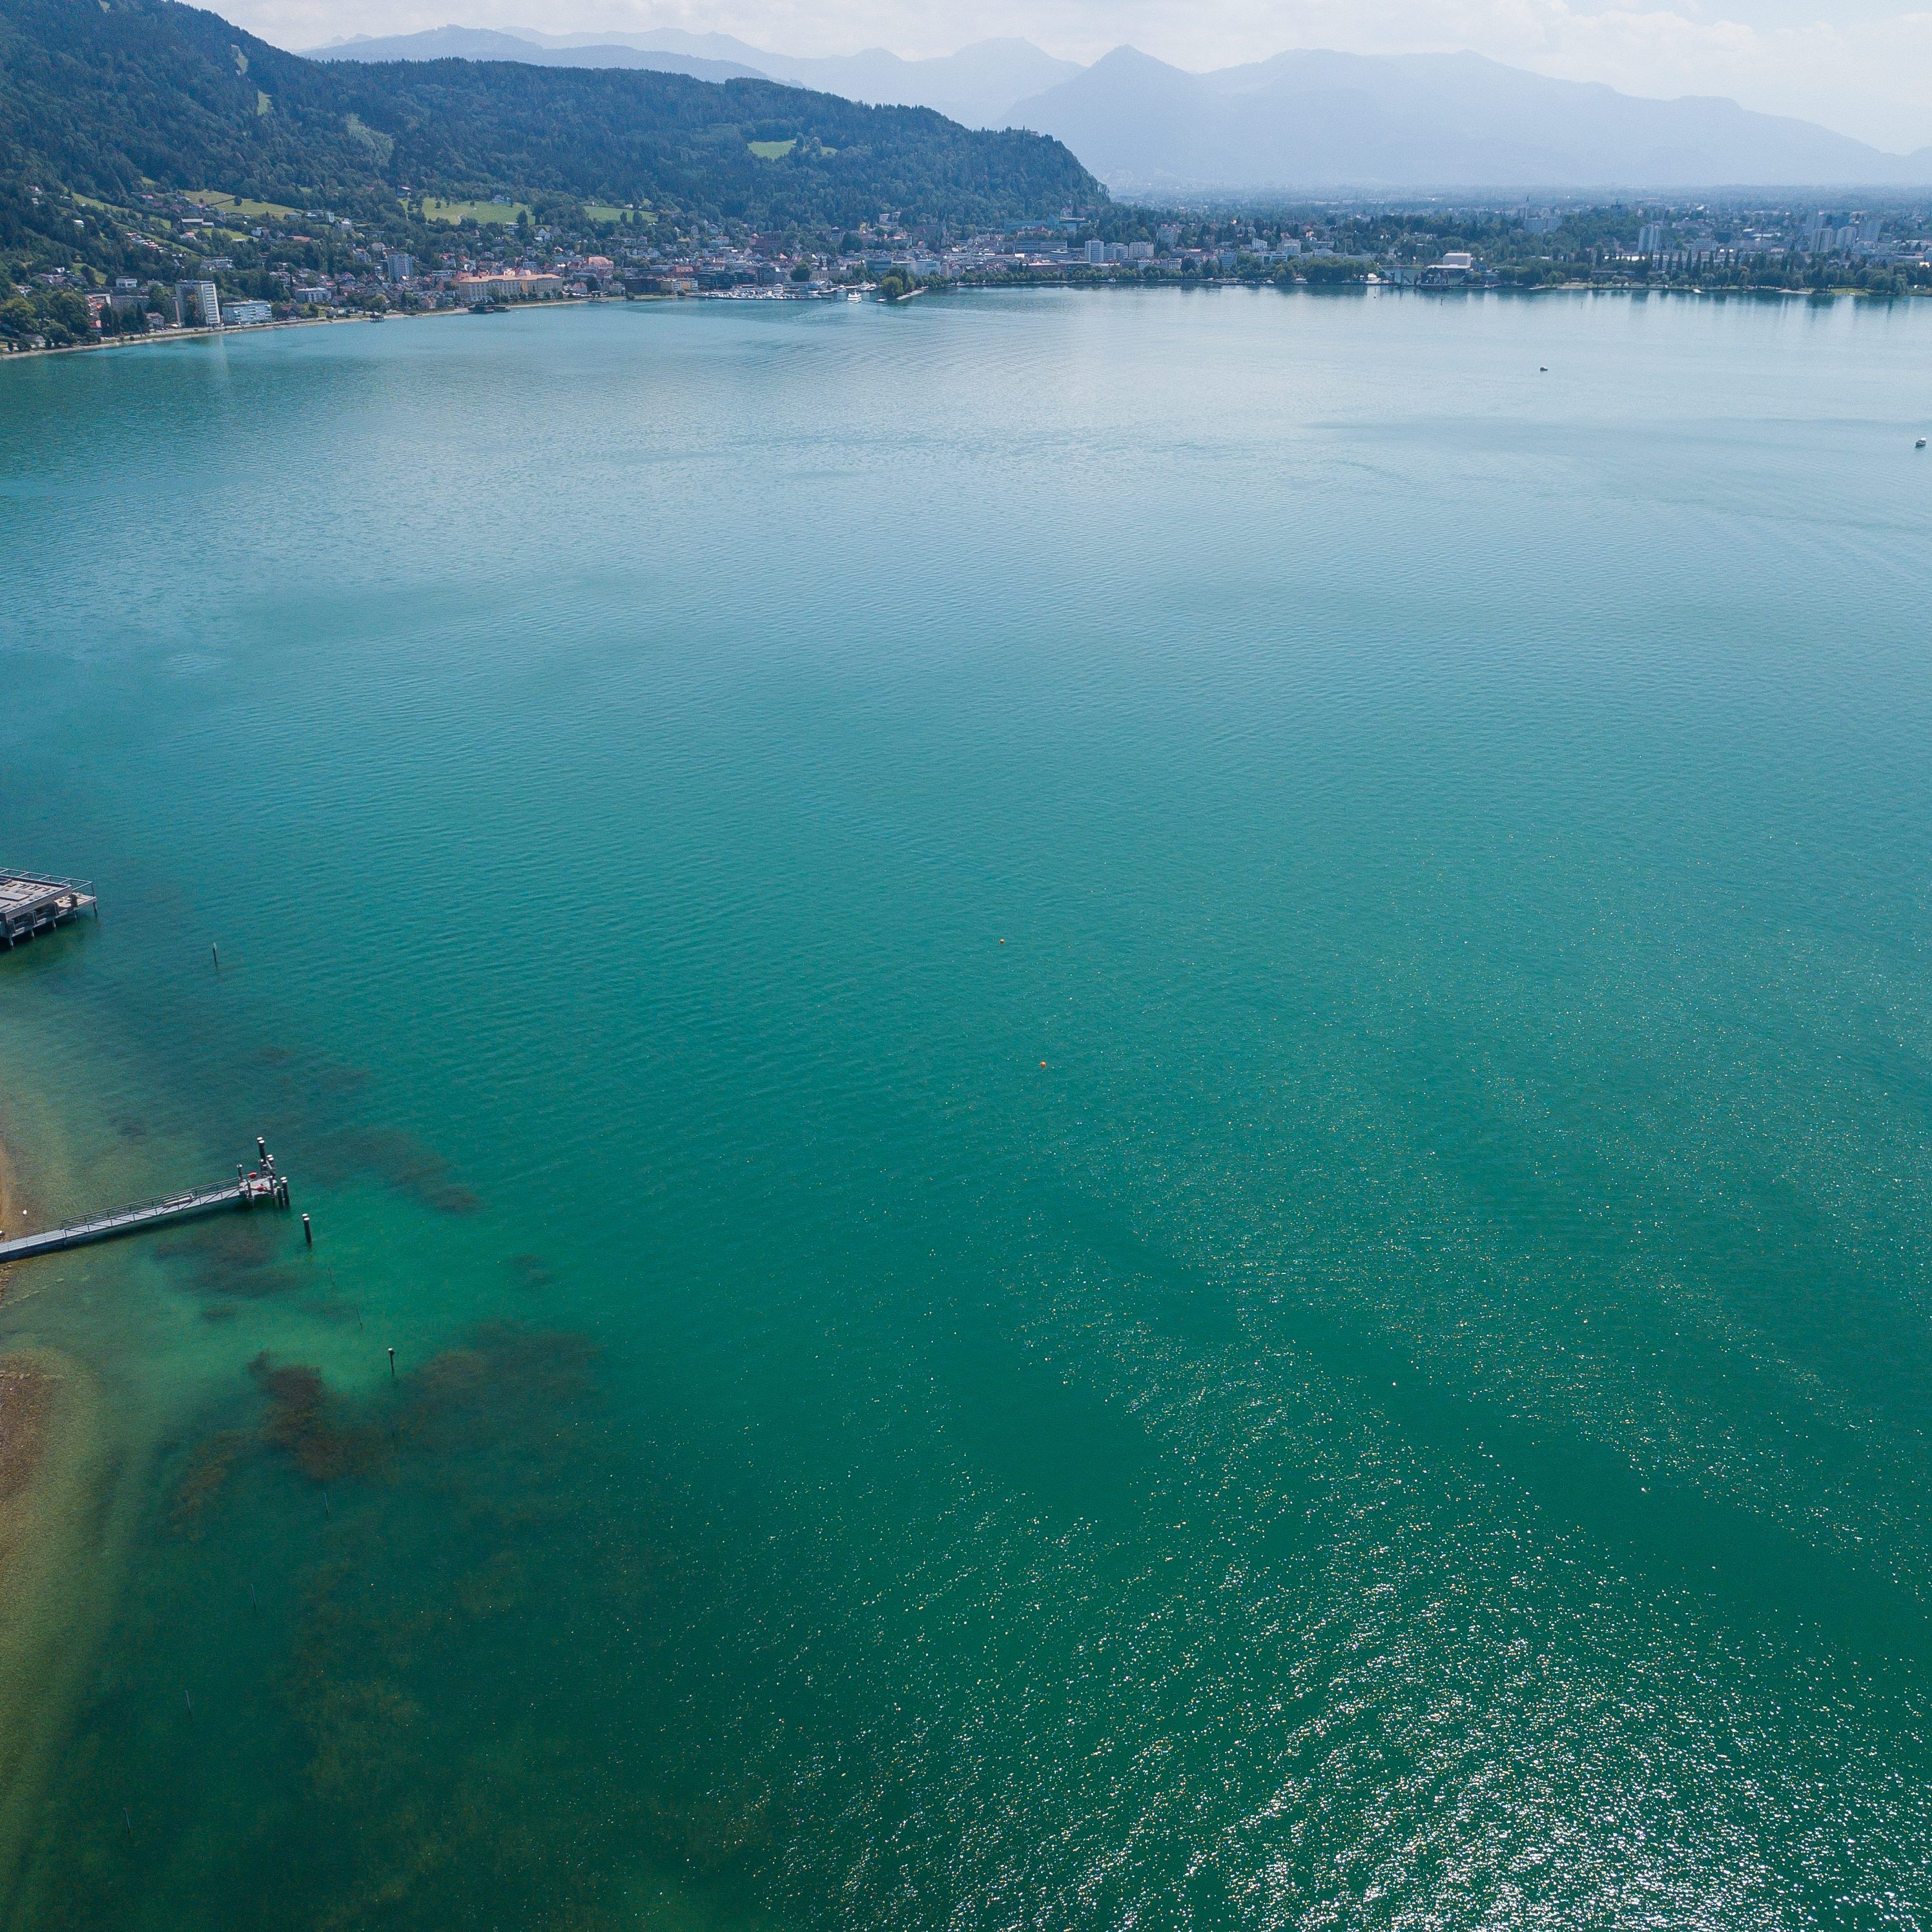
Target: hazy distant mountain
<point>1317,120</point>
<point>1307,120</point>
<point>978,86</point>
<point>481,43</point>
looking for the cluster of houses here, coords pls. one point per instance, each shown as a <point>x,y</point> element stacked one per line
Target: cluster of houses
<point>1690,241</point>
<point>545,264</point>
<point>763,261</point>
<point>766,266</point>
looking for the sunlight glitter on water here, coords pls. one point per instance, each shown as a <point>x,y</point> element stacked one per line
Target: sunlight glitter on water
<point>1366,1366</point>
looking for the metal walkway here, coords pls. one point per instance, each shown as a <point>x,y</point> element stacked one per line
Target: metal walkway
<point>264,1187</point>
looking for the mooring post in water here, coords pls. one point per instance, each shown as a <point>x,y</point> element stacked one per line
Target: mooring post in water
<point>217,951</point>
<point>308,1233</point>
<point>392,1364</point>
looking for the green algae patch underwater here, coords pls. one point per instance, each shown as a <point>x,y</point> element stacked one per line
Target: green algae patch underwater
<point>426,1612</point>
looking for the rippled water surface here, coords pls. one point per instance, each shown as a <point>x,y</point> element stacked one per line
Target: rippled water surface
<point>1139,1088</point>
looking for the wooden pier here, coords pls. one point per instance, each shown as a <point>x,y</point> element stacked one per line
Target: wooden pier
<point>261,1186</point>
<point>31,903</point>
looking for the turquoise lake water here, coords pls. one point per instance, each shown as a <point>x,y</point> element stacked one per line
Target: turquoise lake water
<point>1141,1087</point>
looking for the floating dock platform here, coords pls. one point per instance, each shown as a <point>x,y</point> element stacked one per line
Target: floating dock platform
<point>261,1186</point>
<point>31,903</point>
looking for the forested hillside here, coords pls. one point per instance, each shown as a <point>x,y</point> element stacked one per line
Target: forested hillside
<point>101,96</point>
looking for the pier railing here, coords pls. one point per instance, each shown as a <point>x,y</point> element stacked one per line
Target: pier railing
<point>266,1186</point>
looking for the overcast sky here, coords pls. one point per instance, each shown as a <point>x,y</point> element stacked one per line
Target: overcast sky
<point>1864,67</point>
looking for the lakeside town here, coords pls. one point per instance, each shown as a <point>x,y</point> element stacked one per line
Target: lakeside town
<point>180,262</point>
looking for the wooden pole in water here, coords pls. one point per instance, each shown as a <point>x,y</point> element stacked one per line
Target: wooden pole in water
<point>392,1364</point>
<point>217,951</point>
<point>308,1233</point>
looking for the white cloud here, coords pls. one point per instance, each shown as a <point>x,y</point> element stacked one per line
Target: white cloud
<point>1862,72</point>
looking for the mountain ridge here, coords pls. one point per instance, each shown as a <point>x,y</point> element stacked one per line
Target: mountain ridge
<point>1307,118</point>
<point>488,44</point>
<point>977,85</point>
<point>109,97</point>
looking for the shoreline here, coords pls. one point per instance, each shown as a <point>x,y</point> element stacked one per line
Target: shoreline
<point>962,288</point>
<point>168,335</point>
<point>242,329</point>
<point>57,1545</point>
<point>71,1487</point>
<point>57,1535</point>
<point>16,1205</point>
<point>26,1395</point>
